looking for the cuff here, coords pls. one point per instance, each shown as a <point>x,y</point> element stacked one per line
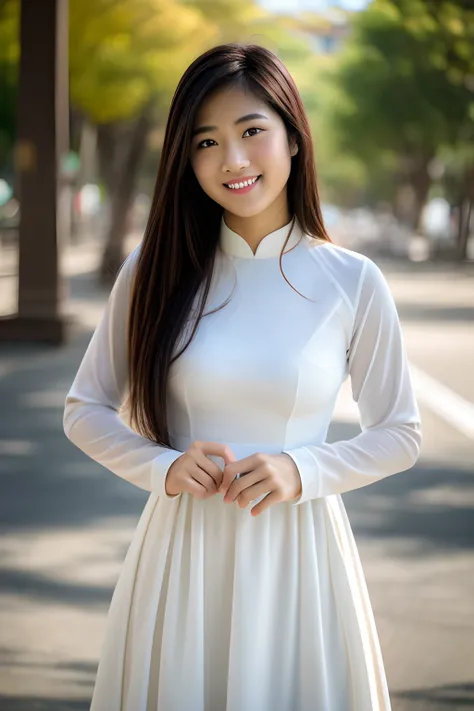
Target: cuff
<point>161,464</point>
<point>309,473</point>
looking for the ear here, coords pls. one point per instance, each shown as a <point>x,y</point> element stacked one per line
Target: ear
<point>294,149</point>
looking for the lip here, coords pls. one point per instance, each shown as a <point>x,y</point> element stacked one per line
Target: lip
<point>241,191</point>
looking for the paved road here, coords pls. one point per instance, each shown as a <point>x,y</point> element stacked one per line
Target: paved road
<point>66,523</point>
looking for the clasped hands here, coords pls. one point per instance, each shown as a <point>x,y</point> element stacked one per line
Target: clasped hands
<point>275,475</point>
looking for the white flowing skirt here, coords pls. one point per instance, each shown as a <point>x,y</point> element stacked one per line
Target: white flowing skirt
<point>217,610</point>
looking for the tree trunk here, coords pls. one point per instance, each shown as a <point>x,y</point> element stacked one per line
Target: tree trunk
<point>465,211</point>
<point>122,197</point>
<point>107,141</point>
<point>421,183</point>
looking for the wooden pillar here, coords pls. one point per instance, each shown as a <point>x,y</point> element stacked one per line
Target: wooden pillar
<point>43,138</point>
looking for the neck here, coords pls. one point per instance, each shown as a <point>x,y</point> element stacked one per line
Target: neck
<point>253,229</point>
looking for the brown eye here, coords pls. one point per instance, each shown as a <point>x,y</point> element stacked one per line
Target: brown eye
<point>200,145</point>
<point>254,128</point>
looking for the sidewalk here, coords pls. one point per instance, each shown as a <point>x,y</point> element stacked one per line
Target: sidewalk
<point>65,521</point>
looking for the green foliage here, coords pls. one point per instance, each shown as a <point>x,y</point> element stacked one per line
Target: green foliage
<point>124,53</point>
<point>446,28</point>
<point>231,21</point>
<point>9,28</point>
<point>393,96</point>
<point>9,55</point>
<point>385,103</point>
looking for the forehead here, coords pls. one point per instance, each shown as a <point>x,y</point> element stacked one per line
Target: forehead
<point>226,105</point>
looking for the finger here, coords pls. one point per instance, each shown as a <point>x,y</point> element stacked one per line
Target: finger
<point>227,482</point>
<point>237,469</point>
<point>211,468</point>
<point>197,489</point>
<point>269,500</point>
<point>217,449</point>
<point>244,483</point>
<point>240,468</point>
<point>233,489</point>
<point>201,476</point>
<point>256,487</point>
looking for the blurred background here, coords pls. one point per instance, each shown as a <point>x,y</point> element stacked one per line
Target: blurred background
<point>85,88</point>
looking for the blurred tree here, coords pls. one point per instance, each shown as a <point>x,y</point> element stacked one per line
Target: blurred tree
<point>291,38</point>
<point>229,21</point>
<point>391,105</point>
<point>9,56</point>
<point>345,179</point>
<point>446,29</point>
<point>126,59</point>
<point>458,182</point>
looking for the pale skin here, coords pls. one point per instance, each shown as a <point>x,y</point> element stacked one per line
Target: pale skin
<point>275,475</point>
<point>235,149</point>
<point>232,151</point>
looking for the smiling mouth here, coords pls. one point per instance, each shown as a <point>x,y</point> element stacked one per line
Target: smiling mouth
<point>243,186</point>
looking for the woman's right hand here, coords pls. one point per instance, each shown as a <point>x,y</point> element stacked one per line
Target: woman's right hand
<point>195,473</point>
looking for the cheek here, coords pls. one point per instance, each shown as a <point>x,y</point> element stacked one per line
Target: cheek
<point>204,170</point>
<point>274,154</point>
<point>200,165</point>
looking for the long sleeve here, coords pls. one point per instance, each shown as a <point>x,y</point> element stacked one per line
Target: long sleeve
<point>390,440</point>
<point>91,414</point>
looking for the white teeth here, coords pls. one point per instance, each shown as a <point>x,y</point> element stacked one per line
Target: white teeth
<point>235,186</point>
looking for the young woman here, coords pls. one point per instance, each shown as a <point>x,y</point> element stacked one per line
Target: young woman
<point>225,341</point>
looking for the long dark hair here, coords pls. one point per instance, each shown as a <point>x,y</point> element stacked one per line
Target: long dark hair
<point>178,249</point>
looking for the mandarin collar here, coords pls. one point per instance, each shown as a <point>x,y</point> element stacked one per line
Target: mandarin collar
<point>270,246</point>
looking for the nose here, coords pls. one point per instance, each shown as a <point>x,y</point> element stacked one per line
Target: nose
<point>234,160</point>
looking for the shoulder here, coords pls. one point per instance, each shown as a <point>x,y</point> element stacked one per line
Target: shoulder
<point>129,265</point>
<point>120,292</point>
<point>341,257</point>
<point>130,262</point>
<point>349,269</point>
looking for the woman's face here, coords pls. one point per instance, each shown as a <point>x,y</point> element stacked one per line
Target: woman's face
<point>237,137</point>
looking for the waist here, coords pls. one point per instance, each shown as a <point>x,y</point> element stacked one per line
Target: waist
<point>241,449</point>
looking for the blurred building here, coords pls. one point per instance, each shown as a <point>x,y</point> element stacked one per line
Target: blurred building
<point>328,31</point>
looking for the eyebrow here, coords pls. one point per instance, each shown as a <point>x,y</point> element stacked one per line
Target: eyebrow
<point>242,119</point>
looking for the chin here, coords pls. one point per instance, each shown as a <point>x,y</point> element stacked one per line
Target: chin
<point>250,212</point>
<point>246,210</point>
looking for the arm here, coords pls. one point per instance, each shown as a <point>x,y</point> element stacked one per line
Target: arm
<point>91,420</point>
<point>390,421</point>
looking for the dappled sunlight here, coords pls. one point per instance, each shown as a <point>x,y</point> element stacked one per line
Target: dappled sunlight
<point>442,496</point>
<point>73,556</point>
<point>458,695</point>
<point>56,587</point>
<point>45,398</point>
<point>48,651</point>
<point>18,447</point>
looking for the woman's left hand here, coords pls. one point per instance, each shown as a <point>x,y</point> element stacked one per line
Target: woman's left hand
<point>273,474</point>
